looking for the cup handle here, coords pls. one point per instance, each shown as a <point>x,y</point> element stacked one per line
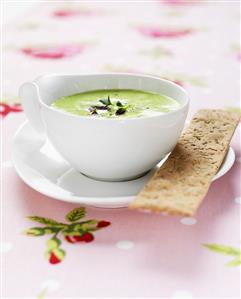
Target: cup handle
<point>29,96</point>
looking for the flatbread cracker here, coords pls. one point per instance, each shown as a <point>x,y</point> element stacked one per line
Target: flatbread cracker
<point>182,182</point>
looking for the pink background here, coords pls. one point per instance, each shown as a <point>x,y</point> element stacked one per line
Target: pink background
<point>165,258</point>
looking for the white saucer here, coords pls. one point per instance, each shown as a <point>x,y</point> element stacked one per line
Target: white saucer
<point>43,169</point>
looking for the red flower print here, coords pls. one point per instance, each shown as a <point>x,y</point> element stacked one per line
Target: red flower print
<point>55,253</point>
<point>5,109</point>
<point>70,239</point>
<point>57,52</point>
<point>103,223</point>
<point>65,13</point>
<point>86,237</point>
<point>54,259</point>
<point>155,32</point>
<point>73,231</point>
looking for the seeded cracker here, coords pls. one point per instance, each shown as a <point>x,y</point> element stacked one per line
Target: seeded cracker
<point>180,185</point>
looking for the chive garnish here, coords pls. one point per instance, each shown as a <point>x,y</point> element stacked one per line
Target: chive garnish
<point>106,102</point>
<point>117,108</point>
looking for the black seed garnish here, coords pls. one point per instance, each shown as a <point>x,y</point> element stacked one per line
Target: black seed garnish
<point>120,111</point>
<point>98,107</point>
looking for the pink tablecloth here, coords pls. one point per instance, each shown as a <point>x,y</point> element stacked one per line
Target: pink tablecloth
<point>194,43</point>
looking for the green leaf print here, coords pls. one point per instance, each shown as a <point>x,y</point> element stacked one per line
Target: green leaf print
<point>223,249</point>
<point>60,253</point>
<point>53,243</point>
<point>75,214</point>
<point>42,294</point>
<point>234,263</point>
<point>89,225</point>
<point>44,220</point>
<point>194,80</point>
<point>73,232</point>
<point>51,229</point>
<point>156,52</point>
<point>35,231</point>
<point>40,231</point>
<point>227,250</point>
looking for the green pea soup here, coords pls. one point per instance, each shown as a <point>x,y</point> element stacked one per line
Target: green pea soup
<point>116,103</point>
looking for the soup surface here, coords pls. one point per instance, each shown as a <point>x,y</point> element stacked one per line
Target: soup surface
<point>116,103</point>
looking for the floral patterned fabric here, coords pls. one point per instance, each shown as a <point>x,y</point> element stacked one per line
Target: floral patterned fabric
<point>122,253</point>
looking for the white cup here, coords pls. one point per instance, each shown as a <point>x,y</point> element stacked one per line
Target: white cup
<point>105,149</point>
